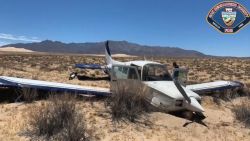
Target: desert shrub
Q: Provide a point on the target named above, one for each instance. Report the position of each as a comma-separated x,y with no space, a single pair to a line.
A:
93,75
128,101
1,72
228,95
245,91
242,113
97,72
29,94
57,119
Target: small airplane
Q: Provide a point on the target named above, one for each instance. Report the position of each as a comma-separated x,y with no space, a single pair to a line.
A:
162,90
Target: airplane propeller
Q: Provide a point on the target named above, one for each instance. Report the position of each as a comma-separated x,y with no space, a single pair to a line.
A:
184,94
191,104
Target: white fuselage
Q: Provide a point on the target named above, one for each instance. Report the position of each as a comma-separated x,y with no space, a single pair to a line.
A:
165,93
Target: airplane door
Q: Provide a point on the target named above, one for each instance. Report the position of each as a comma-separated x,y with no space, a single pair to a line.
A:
124,78
120,72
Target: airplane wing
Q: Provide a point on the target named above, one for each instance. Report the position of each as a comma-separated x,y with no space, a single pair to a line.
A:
13,82
214,86
89,66
4,85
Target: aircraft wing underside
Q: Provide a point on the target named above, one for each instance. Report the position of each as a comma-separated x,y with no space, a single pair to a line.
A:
214,86
89,66
13,82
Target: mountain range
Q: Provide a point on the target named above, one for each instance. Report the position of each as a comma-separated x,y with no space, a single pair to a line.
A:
116,47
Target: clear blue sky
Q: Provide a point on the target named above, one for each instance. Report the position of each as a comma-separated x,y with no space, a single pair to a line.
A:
176,23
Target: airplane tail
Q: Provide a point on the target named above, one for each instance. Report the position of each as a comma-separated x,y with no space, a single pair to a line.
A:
108,57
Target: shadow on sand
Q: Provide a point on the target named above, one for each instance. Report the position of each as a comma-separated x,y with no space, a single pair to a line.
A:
82,78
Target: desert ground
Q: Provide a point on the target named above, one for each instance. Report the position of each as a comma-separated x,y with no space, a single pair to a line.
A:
221,122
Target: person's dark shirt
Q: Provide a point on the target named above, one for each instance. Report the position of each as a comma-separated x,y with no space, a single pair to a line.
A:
176,71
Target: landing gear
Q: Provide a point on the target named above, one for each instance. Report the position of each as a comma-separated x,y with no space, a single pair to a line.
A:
193,116
72,75
199,116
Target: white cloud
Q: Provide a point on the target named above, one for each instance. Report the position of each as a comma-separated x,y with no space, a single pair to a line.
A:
3,43
18,38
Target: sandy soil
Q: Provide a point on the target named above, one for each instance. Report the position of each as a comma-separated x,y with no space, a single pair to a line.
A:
13,49
220,122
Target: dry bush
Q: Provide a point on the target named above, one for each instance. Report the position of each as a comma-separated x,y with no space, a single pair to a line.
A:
218,96
242,112
58,119
128,101
245,91
228,95
29,94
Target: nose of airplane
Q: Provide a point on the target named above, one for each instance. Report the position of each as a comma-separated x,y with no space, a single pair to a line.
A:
194,105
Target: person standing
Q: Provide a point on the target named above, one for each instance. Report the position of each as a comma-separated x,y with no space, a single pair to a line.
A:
175,71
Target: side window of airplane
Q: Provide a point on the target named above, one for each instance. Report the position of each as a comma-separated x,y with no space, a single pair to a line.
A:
133,74
119,72
124,72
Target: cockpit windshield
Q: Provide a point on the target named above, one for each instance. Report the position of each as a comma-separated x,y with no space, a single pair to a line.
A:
155,72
